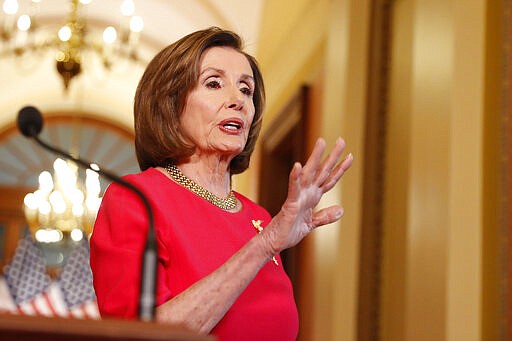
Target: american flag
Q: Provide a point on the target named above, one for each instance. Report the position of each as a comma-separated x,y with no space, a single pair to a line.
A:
26,288
75,282
28,282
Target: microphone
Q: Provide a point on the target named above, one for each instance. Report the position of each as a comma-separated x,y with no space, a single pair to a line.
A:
30,124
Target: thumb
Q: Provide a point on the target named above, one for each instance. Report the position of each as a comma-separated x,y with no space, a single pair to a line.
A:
327,215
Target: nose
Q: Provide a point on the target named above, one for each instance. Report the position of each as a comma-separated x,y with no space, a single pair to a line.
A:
235,99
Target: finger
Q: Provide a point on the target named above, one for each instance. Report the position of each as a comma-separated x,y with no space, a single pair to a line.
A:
294,181
311,166
332,159
327,215
337,173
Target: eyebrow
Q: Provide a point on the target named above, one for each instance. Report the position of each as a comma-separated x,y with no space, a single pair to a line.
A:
244,76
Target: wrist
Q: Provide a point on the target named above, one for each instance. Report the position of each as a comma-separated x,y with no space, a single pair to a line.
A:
264,246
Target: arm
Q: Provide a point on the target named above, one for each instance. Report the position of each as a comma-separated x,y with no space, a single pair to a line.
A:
203,305
117,244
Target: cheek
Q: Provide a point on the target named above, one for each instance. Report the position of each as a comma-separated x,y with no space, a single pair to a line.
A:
251,114
199,116
250,120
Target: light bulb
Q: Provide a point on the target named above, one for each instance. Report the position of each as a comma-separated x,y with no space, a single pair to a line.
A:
10,6
57,201
77,197
45,182
64,35
30,201
92,183
136,24
24,22
48,235
78,210
127,8
109,35
76,235
45,207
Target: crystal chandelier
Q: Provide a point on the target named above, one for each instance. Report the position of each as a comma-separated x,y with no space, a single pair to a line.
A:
21,32
63,206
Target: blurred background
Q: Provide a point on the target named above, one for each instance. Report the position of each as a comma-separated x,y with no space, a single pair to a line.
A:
419,89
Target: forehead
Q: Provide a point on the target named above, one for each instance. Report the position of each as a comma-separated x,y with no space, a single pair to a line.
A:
225,58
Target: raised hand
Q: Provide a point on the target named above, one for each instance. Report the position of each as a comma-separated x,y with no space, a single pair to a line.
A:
307,185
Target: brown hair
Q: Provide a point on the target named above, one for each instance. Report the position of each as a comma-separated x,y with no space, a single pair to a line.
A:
161,97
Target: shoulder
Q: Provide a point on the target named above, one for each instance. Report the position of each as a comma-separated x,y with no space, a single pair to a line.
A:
251,207
244,199
148,176
144,181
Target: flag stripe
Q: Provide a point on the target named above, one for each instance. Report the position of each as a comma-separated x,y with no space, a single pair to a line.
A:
91,309
49,303
26,308
77,313
55,296
6,302
41,305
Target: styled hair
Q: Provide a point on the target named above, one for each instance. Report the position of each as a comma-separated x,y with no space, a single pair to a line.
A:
161,98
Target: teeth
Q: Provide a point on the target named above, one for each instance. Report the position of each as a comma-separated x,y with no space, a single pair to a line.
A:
232,126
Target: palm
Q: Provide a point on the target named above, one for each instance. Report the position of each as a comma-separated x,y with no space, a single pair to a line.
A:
306,187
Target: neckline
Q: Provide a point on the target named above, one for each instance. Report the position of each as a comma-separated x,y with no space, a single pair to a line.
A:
163,172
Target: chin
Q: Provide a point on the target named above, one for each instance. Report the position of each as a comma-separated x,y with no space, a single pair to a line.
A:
233,150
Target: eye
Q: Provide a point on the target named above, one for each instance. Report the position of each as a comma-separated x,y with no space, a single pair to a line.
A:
213,84
246,90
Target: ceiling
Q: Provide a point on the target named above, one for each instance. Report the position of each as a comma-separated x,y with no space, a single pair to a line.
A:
107,95
22,160
34,79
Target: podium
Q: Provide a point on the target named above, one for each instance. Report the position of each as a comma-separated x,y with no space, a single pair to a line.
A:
32,328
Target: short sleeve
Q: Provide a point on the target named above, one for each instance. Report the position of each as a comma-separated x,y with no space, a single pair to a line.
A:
117,245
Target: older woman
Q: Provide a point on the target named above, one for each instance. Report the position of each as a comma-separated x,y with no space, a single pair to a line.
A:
198,112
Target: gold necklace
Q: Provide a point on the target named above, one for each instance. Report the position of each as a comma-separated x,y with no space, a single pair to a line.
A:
227,204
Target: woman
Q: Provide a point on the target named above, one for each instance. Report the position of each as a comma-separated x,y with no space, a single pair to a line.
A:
198,111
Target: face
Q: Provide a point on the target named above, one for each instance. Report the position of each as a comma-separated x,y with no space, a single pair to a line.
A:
219,110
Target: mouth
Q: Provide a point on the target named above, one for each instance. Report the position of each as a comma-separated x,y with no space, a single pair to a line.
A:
232,125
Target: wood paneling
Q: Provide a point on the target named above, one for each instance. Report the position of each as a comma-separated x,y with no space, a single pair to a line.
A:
374,165
12,220
284,143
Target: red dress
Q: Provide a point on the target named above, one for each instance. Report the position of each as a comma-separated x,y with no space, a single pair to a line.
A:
194,238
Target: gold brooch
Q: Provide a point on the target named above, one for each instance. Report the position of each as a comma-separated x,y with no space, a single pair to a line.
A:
257,226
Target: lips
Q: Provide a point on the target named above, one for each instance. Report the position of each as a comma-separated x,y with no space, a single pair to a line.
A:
232,125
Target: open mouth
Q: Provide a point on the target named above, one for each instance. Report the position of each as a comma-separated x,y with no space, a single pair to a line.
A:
232,125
